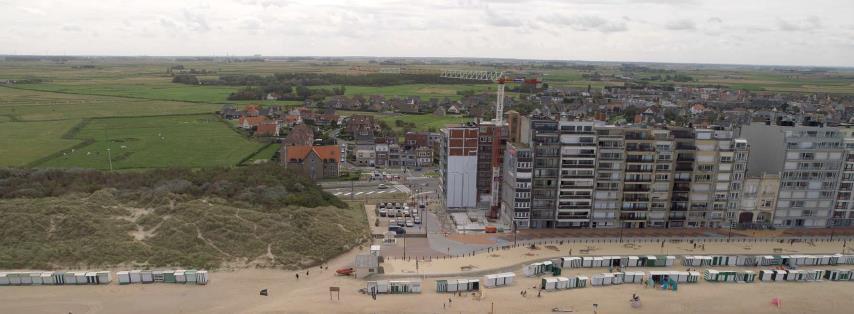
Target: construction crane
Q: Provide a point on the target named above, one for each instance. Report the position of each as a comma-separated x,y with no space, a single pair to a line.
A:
500,78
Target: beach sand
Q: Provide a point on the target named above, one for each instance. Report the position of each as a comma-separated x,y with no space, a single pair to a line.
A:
238,292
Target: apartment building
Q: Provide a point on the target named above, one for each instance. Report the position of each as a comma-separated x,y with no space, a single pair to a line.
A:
610,158
810,160
458,165
683,139
545,144
843,209
647,178
577,173
719,169
516,186
758,200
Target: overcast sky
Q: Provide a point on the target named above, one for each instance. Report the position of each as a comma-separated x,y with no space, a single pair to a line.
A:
788,32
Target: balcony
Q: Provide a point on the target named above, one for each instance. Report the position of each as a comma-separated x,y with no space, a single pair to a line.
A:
647,180
640,160
636,189
564,216
635,199
632,217
638,169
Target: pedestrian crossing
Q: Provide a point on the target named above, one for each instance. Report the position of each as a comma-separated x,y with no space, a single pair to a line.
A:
402,188
359,193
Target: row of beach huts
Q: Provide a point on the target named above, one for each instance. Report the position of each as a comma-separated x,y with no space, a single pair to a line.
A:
554,266
103,277
667,278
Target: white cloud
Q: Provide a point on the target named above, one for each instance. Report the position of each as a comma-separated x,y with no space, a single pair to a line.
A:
723,31
587,23
681,25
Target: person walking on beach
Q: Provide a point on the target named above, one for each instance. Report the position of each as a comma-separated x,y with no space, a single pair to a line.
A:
297,276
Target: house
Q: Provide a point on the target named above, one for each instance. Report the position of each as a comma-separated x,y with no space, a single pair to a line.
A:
361,125
697,109
440,111
315,162
453,109
300,135
268,128
228,112
423,156
366,154
250,122
252,111
291,120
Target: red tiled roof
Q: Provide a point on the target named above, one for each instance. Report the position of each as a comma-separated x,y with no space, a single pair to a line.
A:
268,128
253,121
331,152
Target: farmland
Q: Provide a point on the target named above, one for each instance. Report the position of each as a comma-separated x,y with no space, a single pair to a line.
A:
154,142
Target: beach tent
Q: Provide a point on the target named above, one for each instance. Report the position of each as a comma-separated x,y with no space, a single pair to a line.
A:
532,270
123,277
747,260
618,278
597,280
404,286
766,275
710,275
794,275
80,278
651,261
191,276
47,278
770,261
843,274
814,275
135,276
586,262
379,286
25,278
497,280
583,281
547,266
180,276
693,277
780,275
833,274
58,278
572,282
202,277
4,279
562,282
445,285
634,261
607,279
146,276
668,260
679,276
597,261
570,262
747,276
548,284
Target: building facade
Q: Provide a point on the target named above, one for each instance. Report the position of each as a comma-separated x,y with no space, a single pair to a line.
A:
458,166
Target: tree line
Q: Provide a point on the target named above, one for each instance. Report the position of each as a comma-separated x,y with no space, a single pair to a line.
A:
314,79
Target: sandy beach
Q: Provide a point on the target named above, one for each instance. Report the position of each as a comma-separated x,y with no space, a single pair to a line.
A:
238,292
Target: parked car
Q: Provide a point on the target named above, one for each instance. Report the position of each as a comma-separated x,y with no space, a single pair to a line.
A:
397,230
410,223
382,186
417,219
382,212
405,213
401,222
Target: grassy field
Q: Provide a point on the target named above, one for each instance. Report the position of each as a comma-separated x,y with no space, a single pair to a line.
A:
154,142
